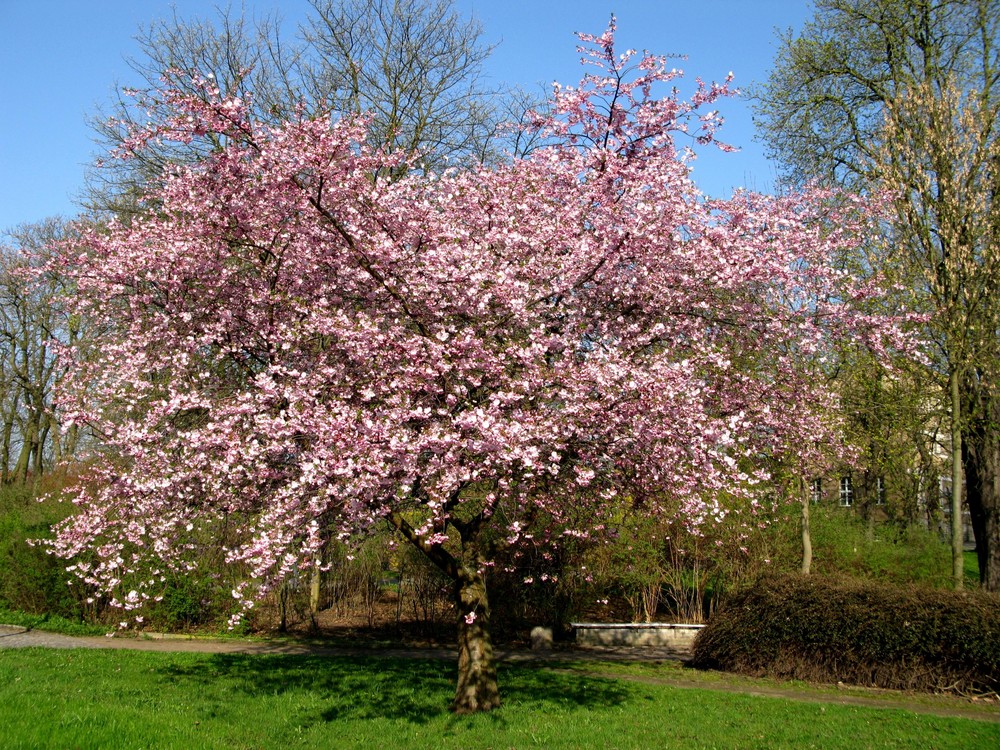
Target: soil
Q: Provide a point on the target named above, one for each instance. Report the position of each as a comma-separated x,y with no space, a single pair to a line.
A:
383,621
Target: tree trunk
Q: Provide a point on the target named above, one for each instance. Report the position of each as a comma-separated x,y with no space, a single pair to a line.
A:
477,674
70,440
41,437
315,581
807,549
477,688
23,464
981,456
957,550
57,455
283,608
8,432
315,589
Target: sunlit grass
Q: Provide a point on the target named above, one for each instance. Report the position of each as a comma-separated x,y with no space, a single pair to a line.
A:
118,699
49,623
971,565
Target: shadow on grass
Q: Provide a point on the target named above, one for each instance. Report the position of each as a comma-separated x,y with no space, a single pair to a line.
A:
413,690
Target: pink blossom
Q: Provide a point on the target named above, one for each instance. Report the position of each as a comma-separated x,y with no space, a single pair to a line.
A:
292,351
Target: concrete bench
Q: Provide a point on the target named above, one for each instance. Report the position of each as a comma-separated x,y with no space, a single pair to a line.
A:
674,635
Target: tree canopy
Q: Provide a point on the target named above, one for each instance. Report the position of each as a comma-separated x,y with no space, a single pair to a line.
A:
294,347
413,67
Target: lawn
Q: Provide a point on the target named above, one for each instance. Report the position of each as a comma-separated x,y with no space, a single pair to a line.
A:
126,699
971,560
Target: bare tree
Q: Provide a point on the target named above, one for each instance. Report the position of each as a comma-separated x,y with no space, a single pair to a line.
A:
413,66
30,431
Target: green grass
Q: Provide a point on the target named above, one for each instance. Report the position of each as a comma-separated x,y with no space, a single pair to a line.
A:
971,561
676,673
124,699
50,623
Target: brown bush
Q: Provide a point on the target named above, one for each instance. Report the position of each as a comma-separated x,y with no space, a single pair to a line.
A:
859,632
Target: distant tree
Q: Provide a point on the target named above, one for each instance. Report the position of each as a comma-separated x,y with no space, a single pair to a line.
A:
901,95
943,162
412,67
293,347
30,435
896,427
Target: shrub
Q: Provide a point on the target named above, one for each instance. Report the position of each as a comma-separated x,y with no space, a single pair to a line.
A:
665,568
31,580
189,602
844,543
860,632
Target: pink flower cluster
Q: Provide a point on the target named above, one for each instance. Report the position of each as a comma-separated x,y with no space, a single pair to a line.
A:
294,346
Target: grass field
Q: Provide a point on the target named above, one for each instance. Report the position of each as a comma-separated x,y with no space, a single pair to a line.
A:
971,568
125,699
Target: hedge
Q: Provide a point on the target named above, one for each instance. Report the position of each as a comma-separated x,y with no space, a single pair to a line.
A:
859,632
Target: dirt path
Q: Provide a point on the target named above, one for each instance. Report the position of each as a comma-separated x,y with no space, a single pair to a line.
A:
18,637
946,706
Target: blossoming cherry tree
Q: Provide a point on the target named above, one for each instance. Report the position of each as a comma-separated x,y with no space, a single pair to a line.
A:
295,347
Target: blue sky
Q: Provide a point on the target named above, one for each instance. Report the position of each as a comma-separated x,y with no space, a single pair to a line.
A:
60,60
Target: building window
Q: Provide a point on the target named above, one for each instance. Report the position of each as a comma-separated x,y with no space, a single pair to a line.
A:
816,490
880,491
846,492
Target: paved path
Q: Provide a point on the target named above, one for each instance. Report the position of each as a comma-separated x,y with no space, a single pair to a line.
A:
17,637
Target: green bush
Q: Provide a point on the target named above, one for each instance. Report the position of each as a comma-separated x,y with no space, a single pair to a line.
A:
844,543
860,632
31,580
36,583
189,601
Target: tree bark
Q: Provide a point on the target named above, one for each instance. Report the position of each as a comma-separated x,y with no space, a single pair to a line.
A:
981,457
315,590
5,443
41,437
957,551
315,581
23,464
57,443
477,688
477,674
807,550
